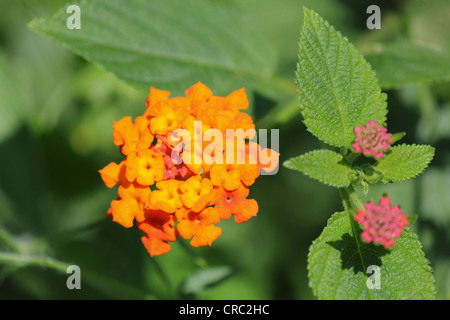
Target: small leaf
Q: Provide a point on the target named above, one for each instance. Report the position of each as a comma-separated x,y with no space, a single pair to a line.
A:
365,186
405,162
412,219
197,283
372,174
402,64
337,88
338,265
397,137
324,165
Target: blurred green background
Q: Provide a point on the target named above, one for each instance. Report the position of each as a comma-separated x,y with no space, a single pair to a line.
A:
56,113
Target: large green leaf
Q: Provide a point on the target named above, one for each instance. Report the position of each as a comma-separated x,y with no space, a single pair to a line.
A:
338,264
405,162
324,165
165,44
337,88
403,64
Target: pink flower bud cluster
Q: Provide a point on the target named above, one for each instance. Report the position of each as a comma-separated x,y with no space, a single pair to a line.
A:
381,223
372,140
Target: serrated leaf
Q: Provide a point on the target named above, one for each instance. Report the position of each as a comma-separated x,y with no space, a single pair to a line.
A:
338,265
337,88
204,279
165,44
397,137
324,165
402,64
405,162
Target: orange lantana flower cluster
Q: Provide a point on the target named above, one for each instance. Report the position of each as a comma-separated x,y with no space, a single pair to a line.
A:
187,197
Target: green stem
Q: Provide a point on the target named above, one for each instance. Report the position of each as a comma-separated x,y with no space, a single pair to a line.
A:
8,240
109,286
162,274
22,260
199,261
352,157
351,201
351,198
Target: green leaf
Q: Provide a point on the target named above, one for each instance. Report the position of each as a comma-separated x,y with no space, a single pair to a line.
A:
204,279
165,44
337,88
371,174
402,64
338,265
324,165
397,137
405,162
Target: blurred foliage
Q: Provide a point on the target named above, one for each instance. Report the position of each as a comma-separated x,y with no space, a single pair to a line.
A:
56,112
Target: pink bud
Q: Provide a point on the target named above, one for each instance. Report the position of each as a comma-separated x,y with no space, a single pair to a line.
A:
381,223
371,140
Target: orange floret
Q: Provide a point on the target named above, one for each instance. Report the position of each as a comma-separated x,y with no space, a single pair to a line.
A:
234,203
113,173
145,166
156,96
136,191
196,193
145,137
159,228
124,133
237,100
131,137
231,176
200,226
167,196
198,93
167,115
124,211
226,175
